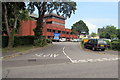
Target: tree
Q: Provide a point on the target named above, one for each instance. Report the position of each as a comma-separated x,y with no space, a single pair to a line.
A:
101,32
118,33
108,32
60,8
111,30
13,13
80,27
93,34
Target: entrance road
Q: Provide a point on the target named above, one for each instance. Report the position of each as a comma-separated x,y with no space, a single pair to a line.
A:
62,60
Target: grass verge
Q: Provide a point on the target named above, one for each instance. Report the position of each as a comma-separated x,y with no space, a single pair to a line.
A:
18,48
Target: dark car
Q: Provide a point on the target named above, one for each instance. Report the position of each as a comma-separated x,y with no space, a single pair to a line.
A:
96,44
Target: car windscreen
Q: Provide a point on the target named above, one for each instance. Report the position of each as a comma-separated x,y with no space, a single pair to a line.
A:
101,42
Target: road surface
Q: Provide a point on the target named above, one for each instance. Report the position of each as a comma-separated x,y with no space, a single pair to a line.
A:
62,60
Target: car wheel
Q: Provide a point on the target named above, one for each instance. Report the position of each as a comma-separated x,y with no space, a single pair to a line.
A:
93,48
102,49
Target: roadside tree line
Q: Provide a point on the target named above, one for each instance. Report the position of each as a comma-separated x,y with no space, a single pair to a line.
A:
109,32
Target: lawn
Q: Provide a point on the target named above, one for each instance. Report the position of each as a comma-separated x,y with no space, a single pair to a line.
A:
18,48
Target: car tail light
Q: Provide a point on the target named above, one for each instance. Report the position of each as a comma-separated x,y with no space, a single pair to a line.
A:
97,45
106,46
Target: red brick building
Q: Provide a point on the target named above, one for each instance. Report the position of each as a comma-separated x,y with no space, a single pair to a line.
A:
52,24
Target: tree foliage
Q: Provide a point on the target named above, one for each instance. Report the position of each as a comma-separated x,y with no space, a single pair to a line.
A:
13,13
118,33
64,9
93,34
108,32
61,8
80,27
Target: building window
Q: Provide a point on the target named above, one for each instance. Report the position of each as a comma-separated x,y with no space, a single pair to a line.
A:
49,37
58,23
59,31
53,31
48,30
63,32
67,33
71,33
49,22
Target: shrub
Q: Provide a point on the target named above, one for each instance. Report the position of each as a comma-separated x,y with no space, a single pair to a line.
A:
108,43
82,44
49,40
18,40
23,40
115,45
4,41
40,42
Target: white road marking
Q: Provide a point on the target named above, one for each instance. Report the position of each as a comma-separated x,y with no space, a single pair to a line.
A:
51,55
96,60
89,60
82,61
39,55
55,55
48,55
68,56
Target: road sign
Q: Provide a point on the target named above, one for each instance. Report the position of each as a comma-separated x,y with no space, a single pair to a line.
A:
56,36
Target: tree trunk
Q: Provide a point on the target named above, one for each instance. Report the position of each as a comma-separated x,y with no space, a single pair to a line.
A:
38,29
7,27
13,30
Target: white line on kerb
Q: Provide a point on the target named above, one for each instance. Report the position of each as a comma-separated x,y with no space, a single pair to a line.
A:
68,56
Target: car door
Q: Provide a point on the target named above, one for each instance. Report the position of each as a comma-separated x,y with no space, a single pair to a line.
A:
89,43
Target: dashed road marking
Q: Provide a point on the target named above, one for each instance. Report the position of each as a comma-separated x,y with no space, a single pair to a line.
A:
47,55
95,60
55,55
89,60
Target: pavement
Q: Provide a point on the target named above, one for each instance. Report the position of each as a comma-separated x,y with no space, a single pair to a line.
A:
7,55
62,60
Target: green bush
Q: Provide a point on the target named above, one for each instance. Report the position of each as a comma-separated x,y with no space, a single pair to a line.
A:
40,42
4,41
82,44
108,43
23,40
115,45
49,40
18,40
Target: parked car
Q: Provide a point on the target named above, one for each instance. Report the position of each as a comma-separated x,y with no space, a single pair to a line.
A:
75,40
62,39
106,39
96,44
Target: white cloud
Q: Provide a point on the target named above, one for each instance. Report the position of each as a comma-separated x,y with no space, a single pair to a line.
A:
91,27
101,22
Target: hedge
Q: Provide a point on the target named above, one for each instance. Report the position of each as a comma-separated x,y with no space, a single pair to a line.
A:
18,40
25,40
115,45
